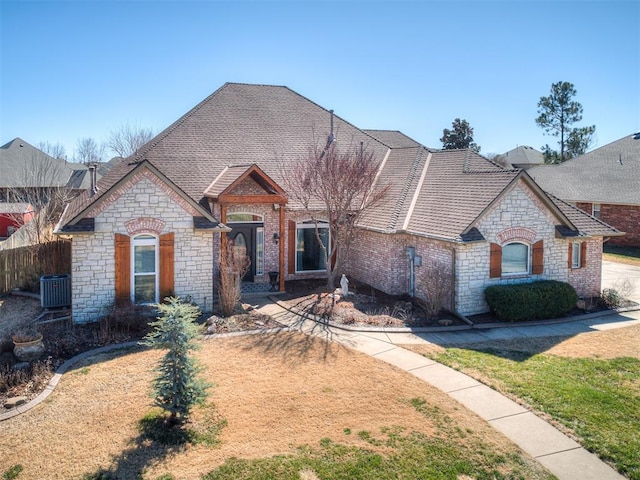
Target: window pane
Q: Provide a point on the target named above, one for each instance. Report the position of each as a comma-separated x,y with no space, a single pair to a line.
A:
515,258
145,288
309,254
575,254
259,251
145,259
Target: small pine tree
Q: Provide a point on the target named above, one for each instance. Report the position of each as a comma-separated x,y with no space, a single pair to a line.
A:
176,387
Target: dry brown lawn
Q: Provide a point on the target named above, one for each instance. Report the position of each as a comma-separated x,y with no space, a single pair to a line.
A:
275,391
605,344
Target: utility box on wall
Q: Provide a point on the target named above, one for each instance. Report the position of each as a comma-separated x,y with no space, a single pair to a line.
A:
55,291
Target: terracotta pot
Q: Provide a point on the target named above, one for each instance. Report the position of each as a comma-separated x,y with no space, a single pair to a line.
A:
29,351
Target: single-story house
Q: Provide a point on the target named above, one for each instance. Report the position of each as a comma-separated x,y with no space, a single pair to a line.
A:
453,222
604,183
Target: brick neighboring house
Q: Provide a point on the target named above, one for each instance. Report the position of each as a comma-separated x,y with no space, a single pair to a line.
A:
453,222
604,183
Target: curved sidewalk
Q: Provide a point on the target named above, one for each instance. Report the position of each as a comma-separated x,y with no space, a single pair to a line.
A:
561,455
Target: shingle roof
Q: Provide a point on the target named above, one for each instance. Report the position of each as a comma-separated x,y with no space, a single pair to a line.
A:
438,193
393,138
523,156
23,165
609,174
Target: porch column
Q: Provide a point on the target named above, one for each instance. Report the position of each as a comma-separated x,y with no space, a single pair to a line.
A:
282,242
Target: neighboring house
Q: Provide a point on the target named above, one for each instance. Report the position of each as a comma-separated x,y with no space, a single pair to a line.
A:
12,217
453,223
28,176
522,157
604,183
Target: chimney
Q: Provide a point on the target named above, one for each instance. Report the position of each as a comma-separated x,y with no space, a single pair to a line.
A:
93,170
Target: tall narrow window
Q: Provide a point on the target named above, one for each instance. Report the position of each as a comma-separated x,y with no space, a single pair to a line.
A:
595,210
259,250
515,258
309,253
575,255
144,268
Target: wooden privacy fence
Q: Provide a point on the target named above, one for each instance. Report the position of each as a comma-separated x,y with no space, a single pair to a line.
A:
22,267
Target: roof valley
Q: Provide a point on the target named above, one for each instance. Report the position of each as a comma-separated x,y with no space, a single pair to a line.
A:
415,166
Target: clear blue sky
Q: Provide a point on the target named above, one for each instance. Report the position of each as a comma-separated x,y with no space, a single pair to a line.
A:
80,69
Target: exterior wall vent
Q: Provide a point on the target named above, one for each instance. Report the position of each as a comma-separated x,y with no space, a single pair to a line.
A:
55,291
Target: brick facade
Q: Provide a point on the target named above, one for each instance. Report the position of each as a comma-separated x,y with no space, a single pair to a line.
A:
381,261
625,218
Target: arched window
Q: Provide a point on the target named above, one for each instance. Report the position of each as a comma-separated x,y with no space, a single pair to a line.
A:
515,258
144,269
309,253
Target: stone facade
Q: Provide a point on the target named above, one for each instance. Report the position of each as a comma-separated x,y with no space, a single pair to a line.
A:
144,206
381,261
625,218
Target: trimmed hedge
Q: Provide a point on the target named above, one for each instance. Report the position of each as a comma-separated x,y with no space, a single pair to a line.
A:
531,301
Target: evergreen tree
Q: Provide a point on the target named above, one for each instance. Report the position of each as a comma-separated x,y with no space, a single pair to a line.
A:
460,137
176,387
556,113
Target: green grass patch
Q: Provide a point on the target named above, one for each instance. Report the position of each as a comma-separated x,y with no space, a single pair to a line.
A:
12,473
624,254
598,399
407,455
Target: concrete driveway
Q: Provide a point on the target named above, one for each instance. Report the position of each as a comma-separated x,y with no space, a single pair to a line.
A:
614,273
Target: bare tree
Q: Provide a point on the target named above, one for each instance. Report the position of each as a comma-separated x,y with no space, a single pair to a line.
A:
53,150
234,264
127,139
41,184
338,187
89,151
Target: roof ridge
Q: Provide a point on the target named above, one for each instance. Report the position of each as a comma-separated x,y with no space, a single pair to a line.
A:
405,189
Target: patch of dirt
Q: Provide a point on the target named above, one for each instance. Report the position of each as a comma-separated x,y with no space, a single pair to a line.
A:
364,306
276,392
16,312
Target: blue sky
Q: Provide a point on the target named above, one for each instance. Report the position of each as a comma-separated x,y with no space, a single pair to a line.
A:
80,69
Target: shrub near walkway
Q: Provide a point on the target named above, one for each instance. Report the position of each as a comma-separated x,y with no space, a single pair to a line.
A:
596,398
293,406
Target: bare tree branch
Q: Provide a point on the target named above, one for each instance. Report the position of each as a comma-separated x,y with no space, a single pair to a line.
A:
127,139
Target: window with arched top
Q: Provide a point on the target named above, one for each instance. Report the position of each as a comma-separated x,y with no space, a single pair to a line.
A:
144,269
515,258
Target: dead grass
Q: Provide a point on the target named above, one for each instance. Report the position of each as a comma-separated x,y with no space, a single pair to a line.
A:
17,312
276,392
605,344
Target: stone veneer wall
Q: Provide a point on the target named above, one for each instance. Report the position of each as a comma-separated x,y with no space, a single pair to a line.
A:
520,210
93,261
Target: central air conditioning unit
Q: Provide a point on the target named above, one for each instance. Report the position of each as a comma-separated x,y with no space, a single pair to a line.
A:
55,291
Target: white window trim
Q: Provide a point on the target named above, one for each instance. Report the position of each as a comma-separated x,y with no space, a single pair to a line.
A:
596,210
524,272
136,242
576,255
310,224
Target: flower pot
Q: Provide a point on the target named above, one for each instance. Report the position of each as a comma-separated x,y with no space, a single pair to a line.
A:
27,351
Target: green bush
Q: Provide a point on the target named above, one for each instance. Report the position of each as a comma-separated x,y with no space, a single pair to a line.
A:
531,301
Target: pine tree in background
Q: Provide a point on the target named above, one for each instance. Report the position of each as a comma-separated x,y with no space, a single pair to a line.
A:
176,387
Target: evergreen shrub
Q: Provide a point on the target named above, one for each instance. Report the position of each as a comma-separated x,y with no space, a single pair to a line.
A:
531,301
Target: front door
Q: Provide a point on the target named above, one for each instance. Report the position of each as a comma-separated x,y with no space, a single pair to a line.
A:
243,236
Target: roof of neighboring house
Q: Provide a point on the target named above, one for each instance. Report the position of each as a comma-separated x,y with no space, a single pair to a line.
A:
23,165
242,127
9,207
523,157
609,174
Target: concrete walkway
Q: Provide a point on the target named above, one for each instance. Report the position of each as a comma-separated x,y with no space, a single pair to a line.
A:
561,455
